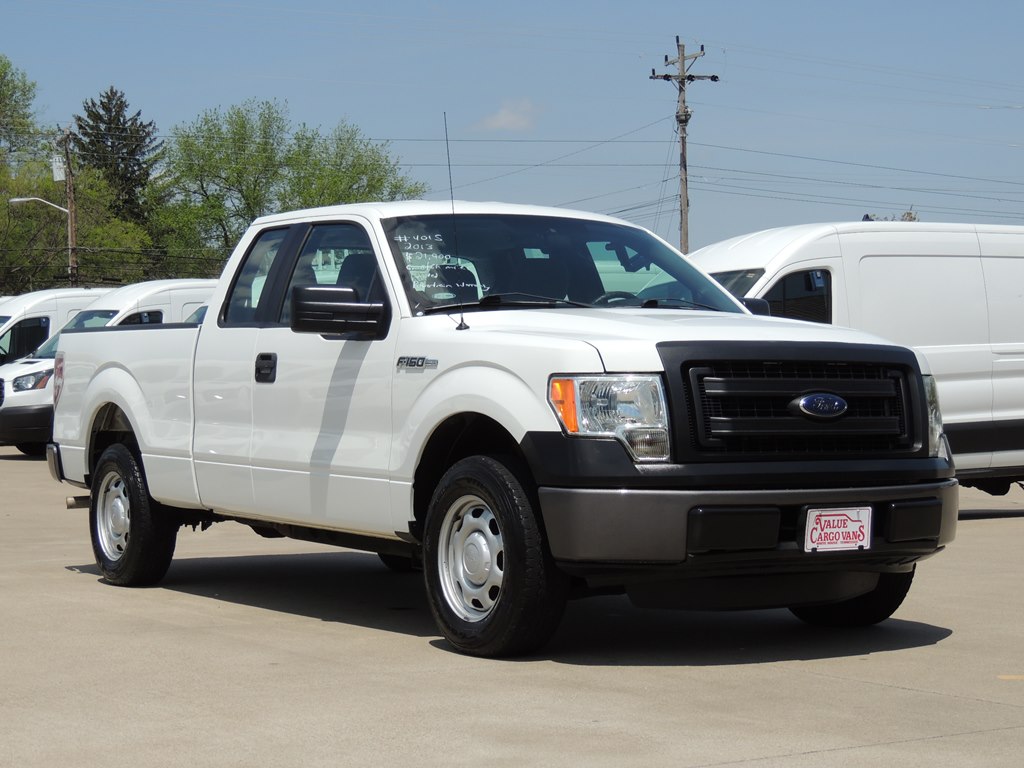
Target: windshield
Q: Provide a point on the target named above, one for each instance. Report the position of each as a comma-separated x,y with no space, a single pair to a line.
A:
4,319
89,318
454,260
739,281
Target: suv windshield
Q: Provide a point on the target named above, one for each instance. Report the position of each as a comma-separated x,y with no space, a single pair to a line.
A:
453,260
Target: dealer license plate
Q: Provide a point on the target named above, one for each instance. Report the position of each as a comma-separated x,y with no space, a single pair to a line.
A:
838,529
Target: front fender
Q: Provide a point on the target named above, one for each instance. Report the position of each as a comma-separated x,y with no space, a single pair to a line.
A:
495,392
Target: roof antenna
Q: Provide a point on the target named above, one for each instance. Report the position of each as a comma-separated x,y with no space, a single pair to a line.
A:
455,227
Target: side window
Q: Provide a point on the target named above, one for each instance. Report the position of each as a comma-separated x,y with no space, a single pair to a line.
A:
144,318
803,295
245,293
23,337
336,254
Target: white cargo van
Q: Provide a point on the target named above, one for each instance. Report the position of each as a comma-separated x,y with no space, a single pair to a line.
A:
26,386
953,291
27,320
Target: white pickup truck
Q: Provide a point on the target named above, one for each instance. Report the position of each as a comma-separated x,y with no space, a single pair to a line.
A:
529,404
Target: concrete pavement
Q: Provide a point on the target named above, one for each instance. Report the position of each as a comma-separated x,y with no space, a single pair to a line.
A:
260,652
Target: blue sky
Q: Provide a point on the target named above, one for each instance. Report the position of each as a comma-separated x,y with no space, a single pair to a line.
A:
824,111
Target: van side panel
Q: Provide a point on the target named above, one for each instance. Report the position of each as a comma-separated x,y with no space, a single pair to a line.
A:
927,290
1003,261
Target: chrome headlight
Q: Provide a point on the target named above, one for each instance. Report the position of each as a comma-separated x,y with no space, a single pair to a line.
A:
37,380
937,445
629,408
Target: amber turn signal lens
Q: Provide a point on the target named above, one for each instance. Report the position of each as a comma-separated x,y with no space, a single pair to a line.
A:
563,398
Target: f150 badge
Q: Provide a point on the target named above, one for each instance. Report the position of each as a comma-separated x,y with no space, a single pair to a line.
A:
416,363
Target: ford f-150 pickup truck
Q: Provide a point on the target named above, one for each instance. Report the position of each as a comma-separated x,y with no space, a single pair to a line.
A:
528,403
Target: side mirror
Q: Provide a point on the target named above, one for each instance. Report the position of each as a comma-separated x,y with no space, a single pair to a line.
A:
757,306
332,311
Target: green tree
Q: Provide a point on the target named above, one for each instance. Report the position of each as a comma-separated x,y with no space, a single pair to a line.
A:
17,120
342,166
229,167
33,236
122,147
111,250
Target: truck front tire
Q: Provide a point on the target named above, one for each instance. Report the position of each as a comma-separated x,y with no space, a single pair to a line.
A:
492,585
861,611
132,545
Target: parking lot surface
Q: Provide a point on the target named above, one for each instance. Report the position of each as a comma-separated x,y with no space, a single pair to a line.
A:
260,652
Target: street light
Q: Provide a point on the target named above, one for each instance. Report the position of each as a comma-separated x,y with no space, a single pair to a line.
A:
72,261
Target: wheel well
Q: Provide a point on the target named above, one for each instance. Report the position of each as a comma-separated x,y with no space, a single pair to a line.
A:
459,436
111,426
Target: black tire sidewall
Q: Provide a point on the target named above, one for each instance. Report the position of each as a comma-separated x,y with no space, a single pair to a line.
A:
150,545
531,598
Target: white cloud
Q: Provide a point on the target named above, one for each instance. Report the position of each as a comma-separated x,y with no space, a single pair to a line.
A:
516,116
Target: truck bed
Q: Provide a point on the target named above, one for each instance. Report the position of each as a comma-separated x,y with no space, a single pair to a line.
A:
146,371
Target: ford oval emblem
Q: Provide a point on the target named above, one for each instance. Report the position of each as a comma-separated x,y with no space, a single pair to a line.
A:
821,405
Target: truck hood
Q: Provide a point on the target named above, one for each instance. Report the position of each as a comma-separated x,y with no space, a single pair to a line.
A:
626,338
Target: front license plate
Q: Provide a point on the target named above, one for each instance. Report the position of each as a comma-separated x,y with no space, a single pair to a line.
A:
838,529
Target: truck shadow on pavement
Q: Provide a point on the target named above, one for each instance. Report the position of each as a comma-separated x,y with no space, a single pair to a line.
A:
21,457
356,589
611,631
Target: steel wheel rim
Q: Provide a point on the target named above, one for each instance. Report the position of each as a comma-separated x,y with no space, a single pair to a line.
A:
113,516
471,559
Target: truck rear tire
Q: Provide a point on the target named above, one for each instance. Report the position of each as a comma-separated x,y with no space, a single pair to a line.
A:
861,611
492,585
132,545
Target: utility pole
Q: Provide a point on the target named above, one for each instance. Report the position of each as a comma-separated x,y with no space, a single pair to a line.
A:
69,186
683,114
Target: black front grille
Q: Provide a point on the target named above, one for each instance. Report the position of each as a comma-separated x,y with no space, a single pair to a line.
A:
749,407
729,405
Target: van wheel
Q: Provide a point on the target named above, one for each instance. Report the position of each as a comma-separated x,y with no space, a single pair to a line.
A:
493,587
32,449
133,543
861,611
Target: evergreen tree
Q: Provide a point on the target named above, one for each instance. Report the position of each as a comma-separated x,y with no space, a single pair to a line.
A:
122,147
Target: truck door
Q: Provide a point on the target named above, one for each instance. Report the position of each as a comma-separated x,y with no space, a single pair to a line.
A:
322,406
225,376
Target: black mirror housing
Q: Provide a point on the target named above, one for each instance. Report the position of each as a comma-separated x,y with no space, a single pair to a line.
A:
757,306
333,311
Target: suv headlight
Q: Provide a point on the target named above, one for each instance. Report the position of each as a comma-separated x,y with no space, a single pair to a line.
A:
937,445
629,408
36,380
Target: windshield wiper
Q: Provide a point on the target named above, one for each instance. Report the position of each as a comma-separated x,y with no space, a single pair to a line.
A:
515,299
677,304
